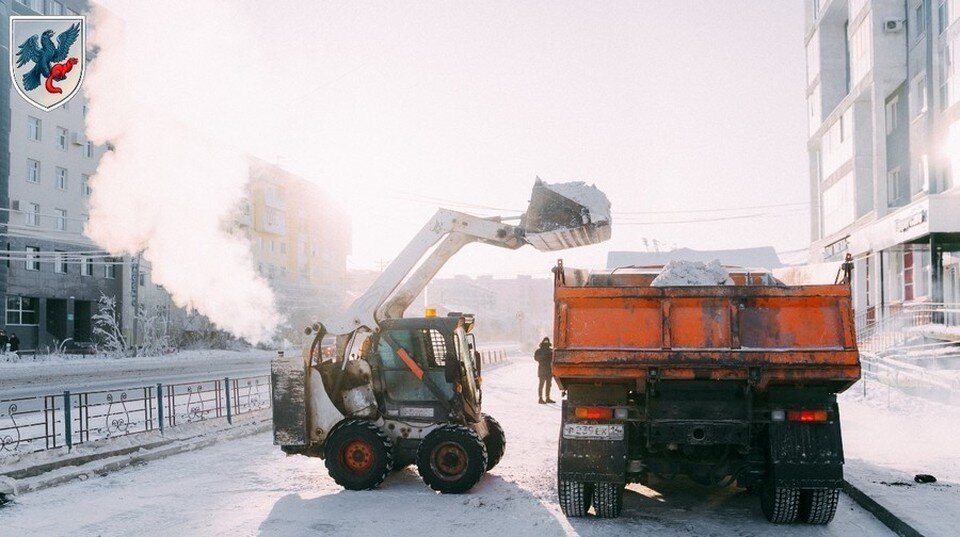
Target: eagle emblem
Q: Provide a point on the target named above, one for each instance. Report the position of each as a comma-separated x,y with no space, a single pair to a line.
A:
48,63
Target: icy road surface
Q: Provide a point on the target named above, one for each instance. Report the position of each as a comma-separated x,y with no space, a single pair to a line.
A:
248,487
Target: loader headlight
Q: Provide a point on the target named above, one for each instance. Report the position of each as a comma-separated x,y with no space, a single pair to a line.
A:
621,413
778,415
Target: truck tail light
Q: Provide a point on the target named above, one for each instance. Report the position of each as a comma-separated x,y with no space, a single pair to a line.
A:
807,415
593,413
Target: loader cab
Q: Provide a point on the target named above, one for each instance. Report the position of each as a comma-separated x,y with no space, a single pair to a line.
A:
423,369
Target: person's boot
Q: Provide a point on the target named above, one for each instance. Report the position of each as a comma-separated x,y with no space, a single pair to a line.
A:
541,401
549,400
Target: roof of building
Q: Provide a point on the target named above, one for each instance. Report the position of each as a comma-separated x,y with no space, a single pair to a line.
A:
760,257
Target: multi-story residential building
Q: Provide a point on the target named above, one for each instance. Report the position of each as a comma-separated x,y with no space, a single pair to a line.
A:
300,240
53,275
882,92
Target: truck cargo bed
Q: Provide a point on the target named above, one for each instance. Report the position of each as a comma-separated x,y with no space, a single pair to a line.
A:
612,327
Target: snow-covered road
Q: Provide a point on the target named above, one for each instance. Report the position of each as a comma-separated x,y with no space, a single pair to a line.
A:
247,487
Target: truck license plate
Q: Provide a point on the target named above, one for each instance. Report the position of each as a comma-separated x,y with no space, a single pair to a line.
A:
587,431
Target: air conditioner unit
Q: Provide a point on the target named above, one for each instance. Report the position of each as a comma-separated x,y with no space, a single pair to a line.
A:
77,139
893,25
14,205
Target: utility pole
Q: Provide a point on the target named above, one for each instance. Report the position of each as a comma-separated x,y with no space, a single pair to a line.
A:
135,292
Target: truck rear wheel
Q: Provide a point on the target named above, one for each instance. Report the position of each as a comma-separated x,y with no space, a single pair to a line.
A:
780,504
575,497
818,506
496,441
608,499
451,459
358,455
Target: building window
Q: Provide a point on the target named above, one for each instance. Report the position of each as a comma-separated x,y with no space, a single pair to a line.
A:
943,15
61,219
843,128
21,310
918,100
60,262
33,214
33,171
85,185
33,258
62,135
143,279
283,247
893,109
33,128
88,149
110,268
921,179
919,21
86,266
61,178
895,190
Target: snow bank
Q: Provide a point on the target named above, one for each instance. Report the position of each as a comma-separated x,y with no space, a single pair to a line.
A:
679,273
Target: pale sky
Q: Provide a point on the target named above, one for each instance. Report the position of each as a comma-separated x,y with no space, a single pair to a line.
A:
666,106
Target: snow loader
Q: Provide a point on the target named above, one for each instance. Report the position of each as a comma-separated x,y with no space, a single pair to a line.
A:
400,391
719,383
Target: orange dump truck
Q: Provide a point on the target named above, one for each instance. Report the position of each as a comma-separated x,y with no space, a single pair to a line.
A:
718,383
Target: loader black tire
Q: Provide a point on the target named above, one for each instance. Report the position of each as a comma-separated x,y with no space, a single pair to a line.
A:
496,441
818,506
358,455
451,459
575,497
780,505
608,499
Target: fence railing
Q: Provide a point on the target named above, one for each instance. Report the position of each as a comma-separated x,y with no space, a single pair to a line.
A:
908,378
879,329
29,424
493,357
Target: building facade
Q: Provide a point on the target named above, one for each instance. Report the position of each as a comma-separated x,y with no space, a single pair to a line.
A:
300,239
52,275
884,145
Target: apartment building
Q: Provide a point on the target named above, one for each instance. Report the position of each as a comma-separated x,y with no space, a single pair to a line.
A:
300,239
52,275
884,140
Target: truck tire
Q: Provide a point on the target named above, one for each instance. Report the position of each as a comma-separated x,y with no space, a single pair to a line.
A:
496,441
575,497
818,506
451,459
358,455
780,504
608,499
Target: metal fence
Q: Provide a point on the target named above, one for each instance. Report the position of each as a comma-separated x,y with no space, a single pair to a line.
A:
30,424
879,329
493,357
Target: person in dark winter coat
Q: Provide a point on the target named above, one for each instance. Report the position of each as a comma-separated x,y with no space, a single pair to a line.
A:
3,341
14,343
544,357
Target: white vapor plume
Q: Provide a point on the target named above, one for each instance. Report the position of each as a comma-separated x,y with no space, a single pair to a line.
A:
169,186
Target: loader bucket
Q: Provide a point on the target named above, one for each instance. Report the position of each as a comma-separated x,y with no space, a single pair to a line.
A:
566,215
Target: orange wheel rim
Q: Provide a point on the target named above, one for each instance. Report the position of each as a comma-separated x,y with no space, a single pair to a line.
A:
449,460
357,456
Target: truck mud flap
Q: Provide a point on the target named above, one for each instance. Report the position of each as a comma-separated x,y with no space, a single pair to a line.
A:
592,461
806,455
287,378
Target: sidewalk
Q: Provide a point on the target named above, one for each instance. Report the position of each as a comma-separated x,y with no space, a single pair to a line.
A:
889,437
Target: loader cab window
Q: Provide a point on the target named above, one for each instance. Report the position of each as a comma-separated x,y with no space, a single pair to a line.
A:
427,347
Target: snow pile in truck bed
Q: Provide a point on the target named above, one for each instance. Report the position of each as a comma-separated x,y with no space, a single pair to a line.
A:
678,273
587,195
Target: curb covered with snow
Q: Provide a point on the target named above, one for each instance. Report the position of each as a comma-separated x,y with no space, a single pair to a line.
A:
36,473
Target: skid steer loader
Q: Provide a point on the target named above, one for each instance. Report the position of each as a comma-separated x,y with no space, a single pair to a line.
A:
401,391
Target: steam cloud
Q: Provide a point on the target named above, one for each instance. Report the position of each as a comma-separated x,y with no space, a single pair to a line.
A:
155,91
